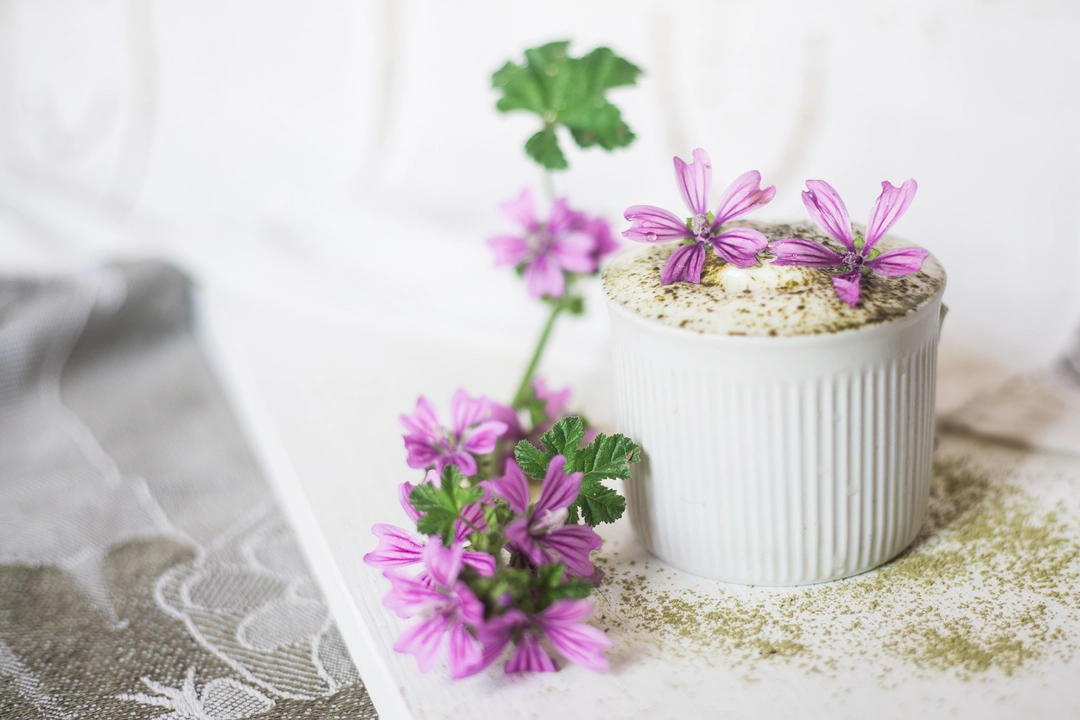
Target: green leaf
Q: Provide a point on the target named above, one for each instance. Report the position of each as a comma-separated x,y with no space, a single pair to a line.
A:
543,147
531,460
440,507
564,438
551,586
599,503
567,91
609,457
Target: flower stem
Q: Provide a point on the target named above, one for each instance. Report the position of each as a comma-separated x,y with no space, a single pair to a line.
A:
522,393
549,186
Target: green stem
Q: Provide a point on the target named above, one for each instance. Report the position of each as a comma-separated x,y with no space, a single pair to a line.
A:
549,186
522,393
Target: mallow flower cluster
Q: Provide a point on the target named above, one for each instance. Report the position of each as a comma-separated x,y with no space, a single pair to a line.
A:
486,573
854,259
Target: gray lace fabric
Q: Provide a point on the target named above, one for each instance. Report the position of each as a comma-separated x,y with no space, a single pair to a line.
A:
145,569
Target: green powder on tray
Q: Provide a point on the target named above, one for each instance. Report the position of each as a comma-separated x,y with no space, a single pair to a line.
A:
987,585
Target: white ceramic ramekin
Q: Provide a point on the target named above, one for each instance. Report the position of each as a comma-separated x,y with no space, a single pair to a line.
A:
778,460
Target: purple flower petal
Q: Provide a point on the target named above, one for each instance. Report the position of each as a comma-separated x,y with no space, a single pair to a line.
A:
513,486
890,205
575,251
465,411
519,535
577,642
509,417
555,401
847,286
423,421
465,462
397,547
521,211
828,211
409,596
742,196
901,261
465,653
561,218
694,180
653,224
443,563
573,543
684,265
529,657
807,253
543,277
424,641
481,562
404,492
421,452
740,246
497,633
604,242
509,250
482,438
559,490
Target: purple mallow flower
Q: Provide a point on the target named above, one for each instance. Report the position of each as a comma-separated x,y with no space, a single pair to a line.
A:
562,623
738,246
446,606
568,241
859,256
540,533
470,432
402,548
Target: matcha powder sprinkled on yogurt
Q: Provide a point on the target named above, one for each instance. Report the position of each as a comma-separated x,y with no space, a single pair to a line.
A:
990,584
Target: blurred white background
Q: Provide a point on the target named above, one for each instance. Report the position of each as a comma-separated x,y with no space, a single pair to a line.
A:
344,159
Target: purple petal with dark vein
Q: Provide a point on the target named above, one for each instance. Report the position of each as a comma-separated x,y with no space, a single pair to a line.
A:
901,261
604,243
566,611
465,652
890,205
561,218
410,595
544,277
575,251
573,543
740,246
581,644
653,224
424,419
521,211
465,462
421,453
529,657
424,641
513,486
397,547
481,562
518,533
559,490
497,632
743,195
482,438
694,181
465,411
684,265
847,287
828,211
404,492
509,250
806,253
443,563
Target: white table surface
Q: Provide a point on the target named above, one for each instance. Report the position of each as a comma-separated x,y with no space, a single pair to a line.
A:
320,398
